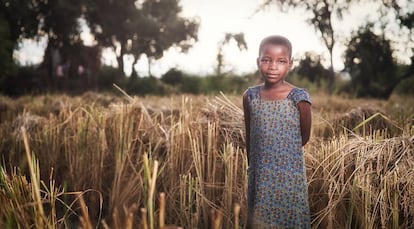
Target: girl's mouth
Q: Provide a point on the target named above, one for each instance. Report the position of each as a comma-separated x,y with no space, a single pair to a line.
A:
272,75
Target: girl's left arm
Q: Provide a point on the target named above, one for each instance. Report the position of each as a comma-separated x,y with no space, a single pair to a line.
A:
305,120
246,112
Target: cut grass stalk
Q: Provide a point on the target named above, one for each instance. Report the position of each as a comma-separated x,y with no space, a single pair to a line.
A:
162,210
236,212
216,218
35,181
151,179
144,222
85,219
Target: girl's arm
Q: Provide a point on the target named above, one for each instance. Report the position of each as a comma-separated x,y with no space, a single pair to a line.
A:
246,122
305,120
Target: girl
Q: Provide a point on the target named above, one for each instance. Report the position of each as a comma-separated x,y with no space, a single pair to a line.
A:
278,121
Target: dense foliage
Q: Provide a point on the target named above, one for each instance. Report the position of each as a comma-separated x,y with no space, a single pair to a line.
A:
149,27
369,61
129,27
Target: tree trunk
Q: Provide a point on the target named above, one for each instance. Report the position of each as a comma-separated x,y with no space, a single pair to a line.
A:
149,66
331,79
219,61
120,60
134,72
50,64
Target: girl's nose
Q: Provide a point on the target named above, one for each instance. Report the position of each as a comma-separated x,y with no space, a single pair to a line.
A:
273,65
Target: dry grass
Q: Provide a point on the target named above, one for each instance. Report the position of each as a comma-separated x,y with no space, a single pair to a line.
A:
362,182
115,156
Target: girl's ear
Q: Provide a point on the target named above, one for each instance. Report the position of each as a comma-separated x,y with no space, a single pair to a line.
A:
291,63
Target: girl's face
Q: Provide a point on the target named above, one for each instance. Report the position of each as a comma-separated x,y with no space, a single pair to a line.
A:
274,63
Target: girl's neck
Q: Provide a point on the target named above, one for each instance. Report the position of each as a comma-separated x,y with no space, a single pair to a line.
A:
277,86
275,91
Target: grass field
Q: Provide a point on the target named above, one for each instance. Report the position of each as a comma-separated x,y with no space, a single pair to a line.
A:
147,162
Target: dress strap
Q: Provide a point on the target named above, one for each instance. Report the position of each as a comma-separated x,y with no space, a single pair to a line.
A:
299,94
253,92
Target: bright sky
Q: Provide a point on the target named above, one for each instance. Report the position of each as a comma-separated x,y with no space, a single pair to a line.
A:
218,17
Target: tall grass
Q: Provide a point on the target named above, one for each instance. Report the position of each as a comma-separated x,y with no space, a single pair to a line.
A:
156,162
29,202
362,183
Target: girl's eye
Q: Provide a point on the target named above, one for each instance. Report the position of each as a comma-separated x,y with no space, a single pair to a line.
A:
266,61
269,61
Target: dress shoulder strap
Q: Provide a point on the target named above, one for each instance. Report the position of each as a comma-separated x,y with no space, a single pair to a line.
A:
253,92
299,94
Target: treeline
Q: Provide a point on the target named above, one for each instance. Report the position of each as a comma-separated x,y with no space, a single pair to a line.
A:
148,28
309,73
173,81
132,28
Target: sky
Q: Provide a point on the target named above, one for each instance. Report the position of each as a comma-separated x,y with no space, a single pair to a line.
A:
218,17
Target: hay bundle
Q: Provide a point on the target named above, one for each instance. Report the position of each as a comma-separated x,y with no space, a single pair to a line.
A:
366,183
32,123
229,118
8,110
361,121
5,104
99,99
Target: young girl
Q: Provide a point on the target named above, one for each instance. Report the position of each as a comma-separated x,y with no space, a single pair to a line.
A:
278,121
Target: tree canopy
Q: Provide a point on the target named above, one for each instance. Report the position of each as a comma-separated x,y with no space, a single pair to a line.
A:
137,28
241,44
130,27
140,27
311,68
369,61
17,21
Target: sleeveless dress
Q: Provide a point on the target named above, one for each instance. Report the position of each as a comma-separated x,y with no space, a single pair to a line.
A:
277,188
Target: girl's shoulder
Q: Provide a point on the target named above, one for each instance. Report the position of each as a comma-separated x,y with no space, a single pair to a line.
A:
253,91
299,94
255,87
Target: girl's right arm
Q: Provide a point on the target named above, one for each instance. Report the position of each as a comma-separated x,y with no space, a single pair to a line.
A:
305,120
246,112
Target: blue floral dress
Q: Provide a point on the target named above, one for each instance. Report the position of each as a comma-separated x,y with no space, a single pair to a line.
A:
277,187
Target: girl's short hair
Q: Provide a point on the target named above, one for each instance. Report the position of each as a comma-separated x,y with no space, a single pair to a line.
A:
276,40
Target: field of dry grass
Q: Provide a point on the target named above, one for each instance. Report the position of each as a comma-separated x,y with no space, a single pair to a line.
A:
148,162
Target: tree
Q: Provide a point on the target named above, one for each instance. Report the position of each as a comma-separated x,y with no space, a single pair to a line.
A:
21,18
241,44
17,21
57,20
322,13
6,48
405,20
310,67
397,19
140,27
369,61
173,77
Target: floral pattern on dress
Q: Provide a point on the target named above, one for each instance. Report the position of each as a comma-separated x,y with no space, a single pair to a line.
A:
277,186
